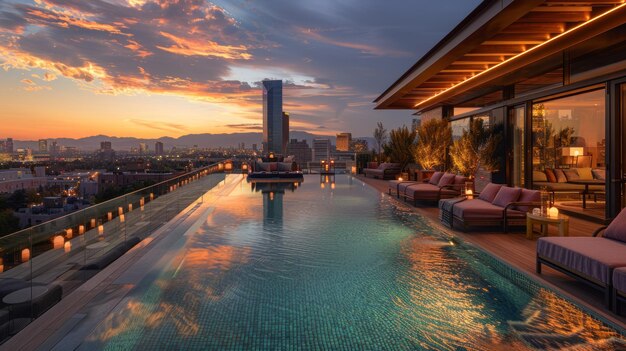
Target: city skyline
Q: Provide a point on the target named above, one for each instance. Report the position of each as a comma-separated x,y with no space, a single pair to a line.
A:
131,68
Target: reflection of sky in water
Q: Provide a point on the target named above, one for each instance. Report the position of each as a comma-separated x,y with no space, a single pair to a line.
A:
342,269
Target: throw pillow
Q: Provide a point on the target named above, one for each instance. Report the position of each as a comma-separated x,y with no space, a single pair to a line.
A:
434,179
528,195
584,173
489,192
599,174
560,176
617,229
446,179
506,195
571,174
551,176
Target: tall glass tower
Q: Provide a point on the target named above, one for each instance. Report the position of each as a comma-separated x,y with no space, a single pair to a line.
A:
273,116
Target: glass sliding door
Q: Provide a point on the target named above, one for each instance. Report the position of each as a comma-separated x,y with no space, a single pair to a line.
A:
569,151
515,145
616,150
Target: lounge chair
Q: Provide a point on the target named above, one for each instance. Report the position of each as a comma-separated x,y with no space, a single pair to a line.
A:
448,185
591,260
497,205
384,171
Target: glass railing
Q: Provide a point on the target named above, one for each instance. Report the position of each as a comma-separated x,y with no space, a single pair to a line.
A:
42,264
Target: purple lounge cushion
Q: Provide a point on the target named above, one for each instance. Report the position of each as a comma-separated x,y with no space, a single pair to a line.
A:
446,179
460,180
619,279
594,257
560,176
506,195
434,179
528,195
617,229
477,209
489,192
423,191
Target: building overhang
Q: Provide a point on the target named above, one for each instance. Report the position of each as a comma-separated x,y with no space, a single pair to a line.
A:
500,44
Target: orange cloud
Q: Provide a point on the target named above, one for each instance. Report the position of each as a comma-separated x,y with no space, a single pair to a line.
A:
203,47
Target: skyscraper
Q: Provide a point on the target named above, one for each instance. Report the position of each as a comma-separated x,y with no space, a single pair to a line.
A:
285,131
105,145
143,148
343,141
9,146
321,149
272,116
158,148
43,145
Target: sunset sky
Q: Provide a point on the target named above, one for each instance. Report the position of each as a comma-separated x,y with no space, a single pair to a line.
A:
76,68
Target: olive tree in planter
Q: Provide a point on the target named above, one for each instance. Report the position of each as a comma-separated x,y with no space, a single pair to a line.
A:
400,146
434,137
477,149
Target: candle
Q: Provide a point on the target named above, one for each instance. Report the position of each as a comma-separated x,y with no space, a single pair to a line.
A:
553,212
100,229
58,241
67,247
25,255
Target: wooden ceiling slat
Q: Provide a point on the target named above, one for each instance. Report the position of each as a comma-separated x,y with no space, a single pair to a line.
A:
542,28
558,17
580,8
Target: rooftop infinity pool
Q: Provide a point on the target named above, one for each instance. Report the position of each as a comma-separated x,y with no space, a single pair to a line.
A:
336,266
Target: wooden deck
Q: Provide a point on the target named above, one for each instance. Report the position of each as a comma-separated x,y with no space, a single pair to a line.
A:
518,251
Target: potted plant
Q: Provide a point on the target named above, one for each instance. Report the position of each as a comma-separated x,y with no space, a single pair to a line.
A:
477,149
434,137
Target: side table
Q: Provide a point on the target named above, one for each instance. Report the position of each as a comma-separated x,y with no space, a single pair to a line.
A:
562,222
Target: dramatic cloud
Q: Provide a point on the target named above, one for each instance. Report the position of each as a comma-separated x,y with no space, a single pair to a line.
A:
333,57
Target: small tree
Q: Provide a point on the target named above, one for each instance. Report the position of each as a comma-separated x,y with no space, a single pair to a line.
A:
380,135
401,145
434,137
477,148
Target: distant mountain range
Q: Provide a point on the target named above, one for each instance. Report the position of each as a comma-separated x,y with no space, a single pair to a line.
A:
205,140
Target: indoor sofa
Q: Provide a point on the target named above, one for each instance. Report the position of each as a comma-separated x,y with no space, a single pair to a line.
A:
588,259
558,180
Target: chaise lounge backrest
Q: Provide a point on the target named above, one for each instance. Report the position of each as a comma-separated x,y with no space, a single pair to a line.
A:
617,229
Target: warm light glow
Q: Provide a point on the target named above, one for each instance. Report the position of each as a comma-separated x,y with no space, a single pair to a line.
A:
122,218
141,202
69,233
332,185
81,229
322,185
553,212
109,216
1,265
100,229
353,169
25,255
58,241
244,166
400,179
120,211
520,55
93,223
67,247
151,196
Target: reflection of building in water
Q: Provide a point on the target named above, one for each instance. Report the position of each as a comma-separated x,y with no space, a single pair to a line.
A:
273,193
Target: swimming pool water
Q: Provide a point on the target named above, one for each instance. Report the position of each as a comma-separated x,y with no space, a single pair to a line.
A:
335,266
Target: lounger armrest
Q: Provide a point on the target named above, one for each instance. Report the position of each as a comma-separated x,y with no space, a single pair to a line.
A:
598,231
